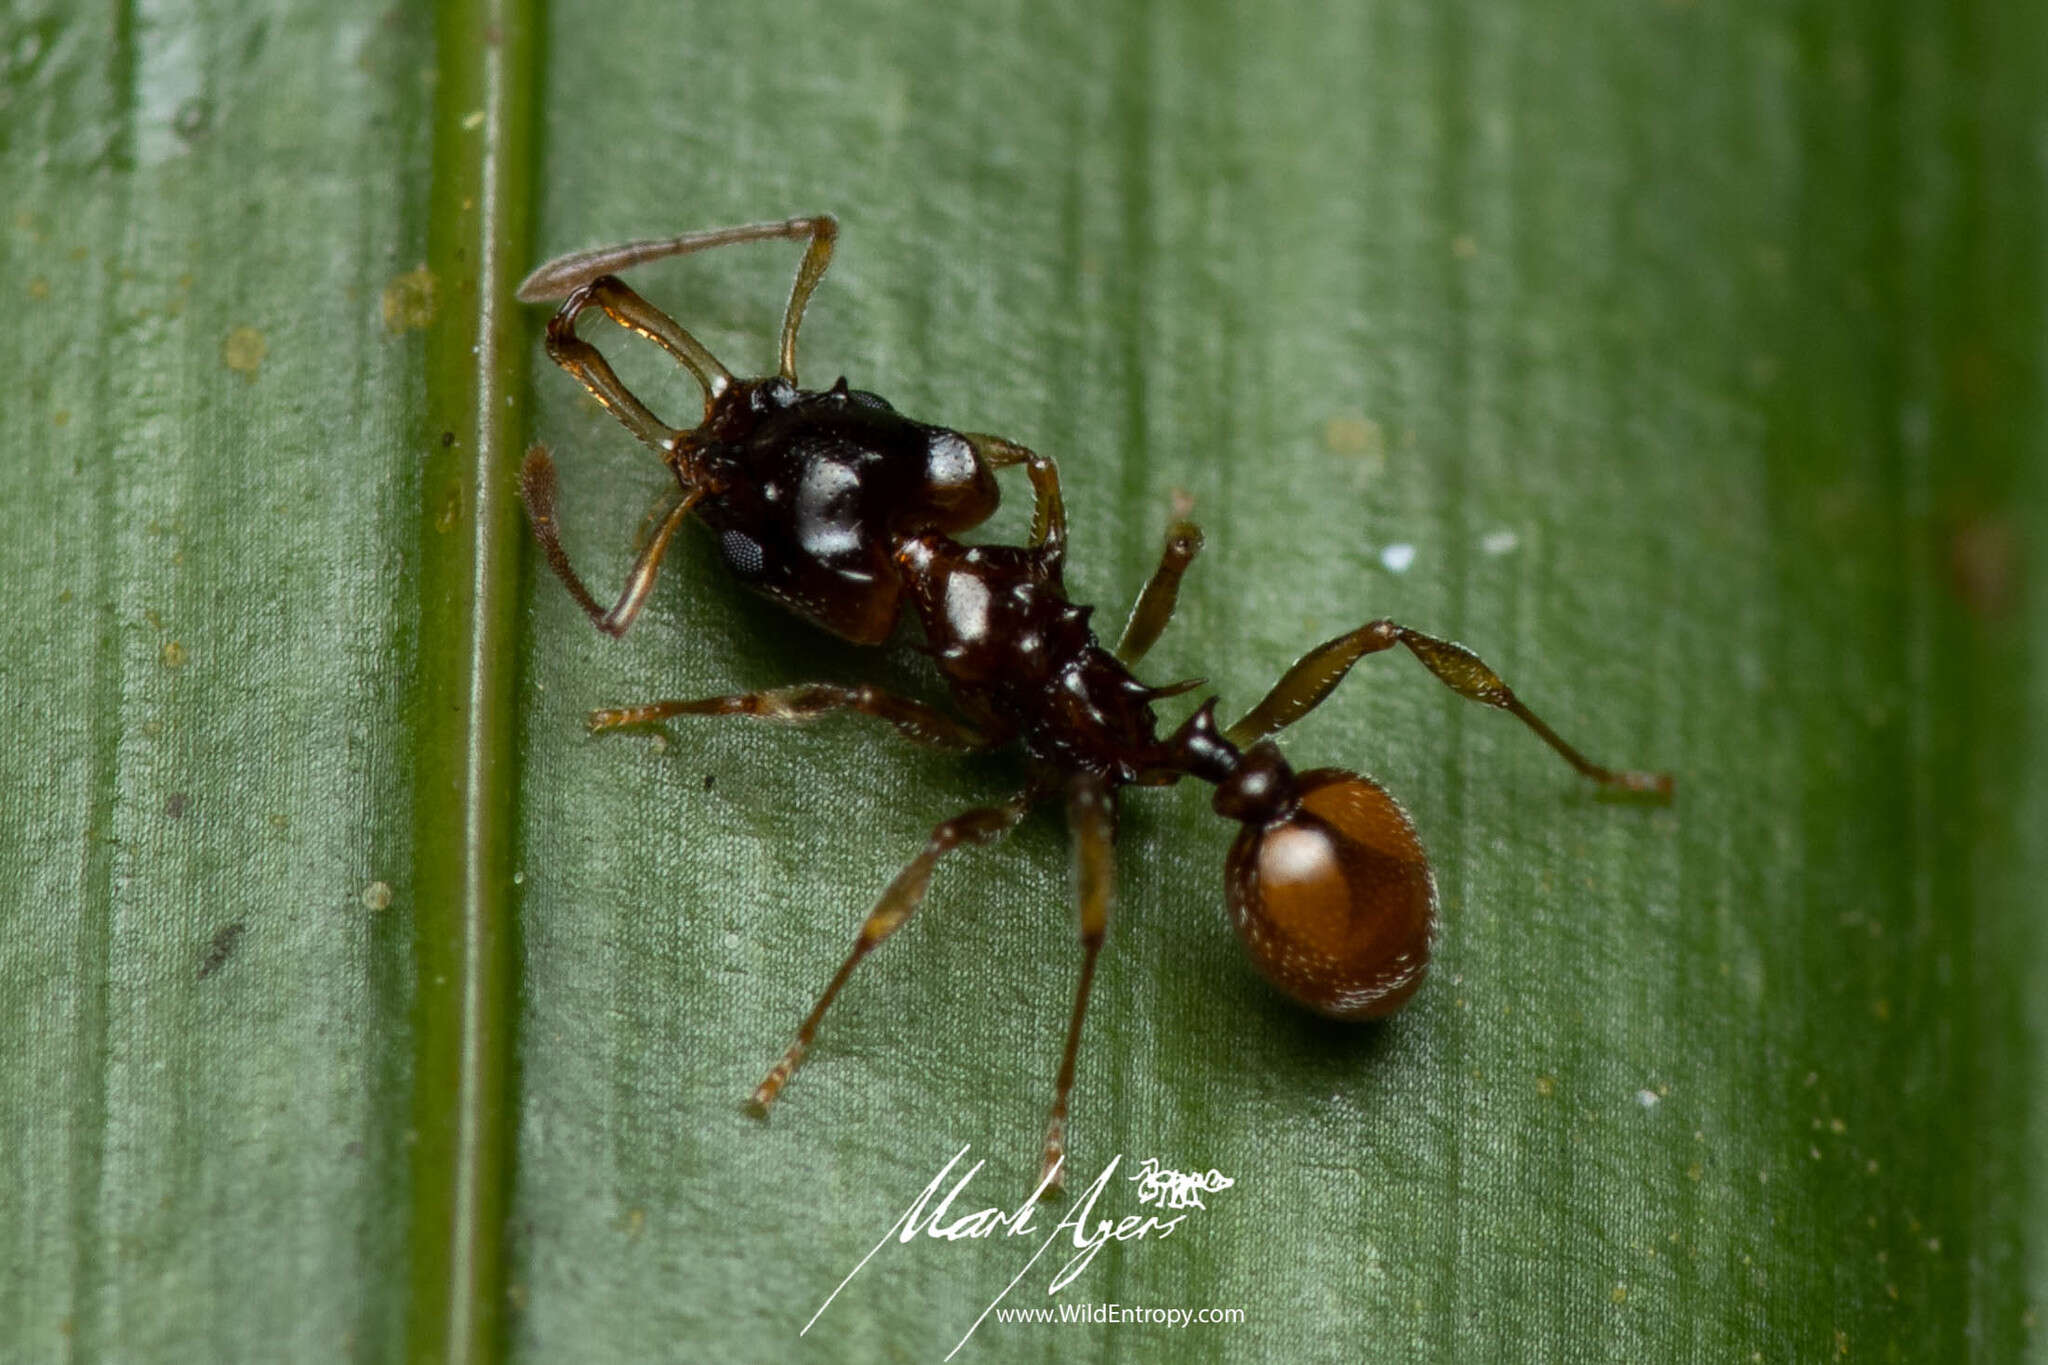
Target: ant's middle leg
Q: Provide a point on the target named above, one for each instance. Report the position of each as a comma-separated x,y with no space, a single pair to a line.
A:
904,895
1049,509
916,721
1155,604
537,491
1318,672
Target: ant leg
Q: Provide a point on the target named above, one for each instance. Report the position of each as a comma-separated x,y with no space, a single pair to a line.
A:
537,491
1091,816
1155,604
1319,671
905,893
635,314
590,369
824,230
566,273
916,721
1049,514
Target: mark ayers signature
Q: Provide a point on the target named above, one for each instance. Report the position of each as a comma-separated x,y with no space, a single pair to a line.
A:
1158,1186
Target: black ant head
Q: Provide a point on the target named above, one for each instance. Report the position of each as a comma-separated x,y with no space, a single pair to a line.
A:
1327,885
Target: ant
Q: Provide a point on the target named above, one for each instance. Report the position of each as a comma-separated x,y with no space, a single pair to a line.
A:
843,510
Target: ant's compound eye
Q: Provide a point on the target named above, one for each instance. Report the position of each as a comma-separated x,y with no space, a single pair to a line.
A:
743,553
869,400
1334,900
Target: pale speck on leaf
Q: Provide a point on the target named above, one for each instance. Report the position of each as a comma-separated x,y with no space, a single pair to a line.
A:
409,300
243,351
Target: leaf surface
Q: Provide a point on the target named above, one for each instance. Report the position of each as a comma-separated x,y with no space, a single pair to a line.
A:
1683,361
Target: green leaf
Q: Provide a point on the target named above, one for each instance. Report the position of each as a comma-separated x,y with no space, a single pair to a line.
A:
1684,361
465,771
209,543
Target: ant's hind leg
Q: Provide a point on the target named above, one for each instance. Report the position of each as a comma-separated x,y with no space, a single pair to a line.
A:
916,721
1318,672
1091,817
905,893
537,491
1155,604
567,273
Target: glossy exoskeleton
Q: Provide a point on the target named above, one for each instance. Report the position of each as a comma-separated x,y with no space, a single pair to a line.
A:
846,512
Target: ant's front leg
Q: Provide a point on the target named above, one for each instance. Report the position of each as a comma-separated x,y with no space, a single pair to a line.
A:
1049,511
537,491
583,360
916,721
625,307
578,269
587,365
1318,672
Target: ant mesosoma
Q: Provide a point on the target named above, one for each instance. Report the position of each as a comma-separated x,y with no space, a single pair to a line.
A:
843,510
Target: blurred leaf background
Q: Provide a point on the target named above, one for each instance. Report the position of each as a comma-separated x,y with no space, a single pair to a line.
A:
1685,359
